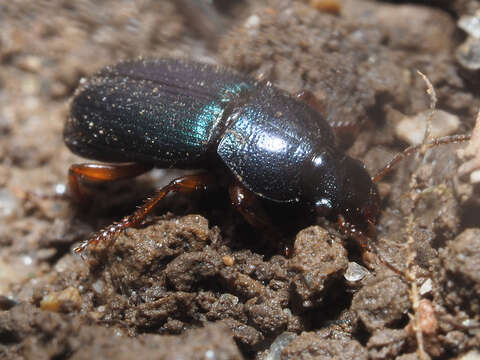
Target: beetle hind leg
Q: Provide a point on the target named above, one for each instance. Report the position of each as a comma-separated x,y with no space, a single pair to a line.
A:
184,184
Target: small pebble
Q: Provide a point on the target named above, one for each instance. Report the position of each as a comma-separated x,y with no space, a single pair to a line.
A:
470,24
60,189
30,63
468,54
426,287
228,260
8,203
475,177
98,286
472,355
355,272
412,128
282,340
252,22
55,300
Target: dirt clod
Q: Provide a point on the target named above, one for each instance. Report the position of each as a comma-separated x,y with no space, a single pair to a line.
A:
309,346
382,302
386,343
318,261
30,332
461,261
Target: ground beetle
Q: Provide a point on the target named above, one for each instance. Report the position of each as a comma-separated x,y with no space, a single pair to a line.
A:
170,113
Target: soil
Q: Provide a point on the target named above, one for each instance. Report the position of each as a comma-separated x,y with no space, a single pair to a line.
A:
194,282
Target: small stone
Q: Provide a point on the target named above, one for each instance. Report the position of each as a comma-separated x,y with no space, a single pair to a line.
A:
30,63
470,24
471,355
475,177
280,342
56,301
468,54
426,287
412,128
228,260
355,272
252,22
8,203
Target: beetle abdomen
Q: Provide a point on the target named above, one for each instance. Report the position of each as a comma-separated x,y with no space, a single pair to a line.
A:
166,112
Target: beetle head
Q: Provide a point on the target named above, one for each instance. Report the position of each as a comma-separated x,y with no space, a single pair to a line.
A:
339,187
359,200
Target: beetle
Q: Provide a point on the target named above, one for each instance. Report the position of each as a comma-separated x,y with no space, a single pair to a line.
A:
268,144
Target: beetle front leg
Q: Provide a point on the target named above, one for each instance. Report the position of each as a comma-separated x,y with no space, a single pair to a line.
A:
184,184
79,173
309,98
365,243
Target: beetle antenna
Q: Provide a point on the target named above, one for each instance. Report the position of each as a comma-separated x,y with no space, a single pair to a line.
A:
452,139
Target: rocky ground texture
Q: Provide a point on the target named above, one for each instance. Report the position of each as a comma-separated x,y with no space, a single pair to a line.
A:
193,282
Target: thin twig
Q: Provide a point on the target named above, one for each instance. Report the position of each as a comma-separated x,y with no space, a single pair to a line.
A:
471,154
412,254
433,105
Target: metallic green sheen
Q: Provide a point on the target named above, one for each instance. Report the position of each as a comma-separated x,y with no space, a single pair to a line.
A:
163,112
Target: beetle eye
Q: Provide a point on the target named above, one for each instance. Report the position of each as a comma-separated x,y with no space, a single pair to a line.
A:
323,207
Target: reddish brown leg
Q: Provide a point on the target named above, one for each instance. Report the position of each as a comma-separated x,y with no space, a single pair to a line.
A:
247,204
364,241
344,130
185,184
309,98
78,173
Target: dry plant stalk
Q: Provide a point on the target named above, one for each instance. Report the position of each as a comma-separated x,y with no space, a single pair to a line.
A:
433,106
471,152
411,273
411,276
423,319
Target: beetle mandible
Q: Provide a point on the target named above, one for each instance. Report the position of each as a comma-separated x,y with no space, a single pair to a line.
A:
171,113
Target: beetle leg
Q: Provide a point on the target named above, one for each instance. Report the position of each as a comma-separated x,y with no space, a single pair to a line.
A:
309,98
185,184
78,173
364,241
344,130
247,204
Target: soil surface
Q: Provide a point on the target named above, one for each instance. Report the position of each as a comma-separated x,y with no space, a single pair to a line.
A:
194,281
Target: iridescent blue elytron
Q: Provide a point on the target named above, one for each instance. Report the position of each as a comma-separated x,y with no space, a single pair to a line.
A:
181,114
